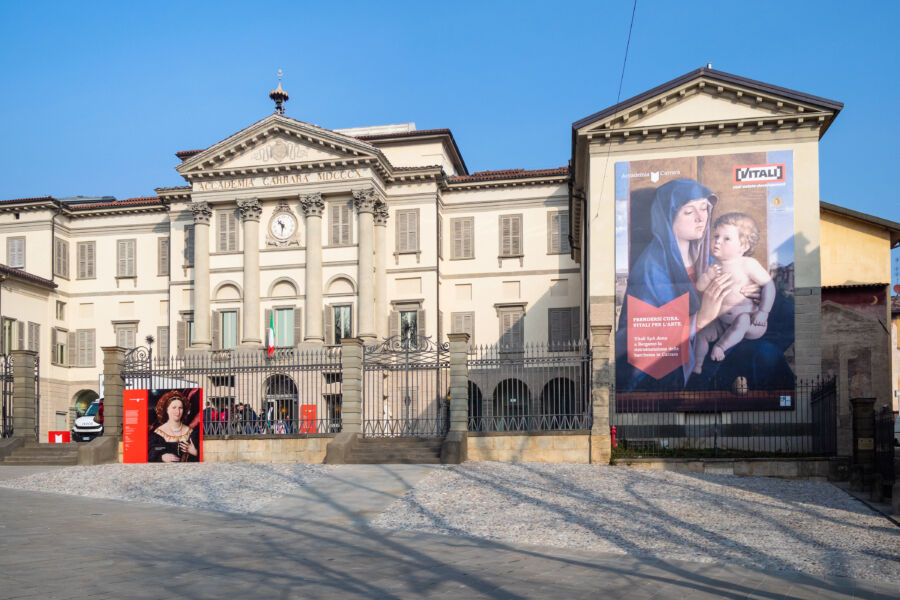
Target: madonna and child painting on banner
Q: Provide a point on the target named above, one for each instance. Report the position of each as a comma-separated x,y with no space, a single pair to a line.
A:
705,280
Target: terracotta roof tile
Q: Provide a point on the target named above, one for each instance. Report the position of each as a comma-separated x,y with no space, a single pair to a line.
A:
145,200
380,136
26,276
186,154
509,174
36,198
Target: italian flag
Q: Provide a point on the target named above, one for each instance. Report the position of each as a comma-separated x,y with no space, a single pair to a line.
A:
270,336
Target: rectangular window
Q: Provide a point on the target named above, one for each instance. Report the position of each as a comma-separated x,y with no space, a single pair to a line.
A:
408,230
464,322
463,234
409,326
61,258
15,252
125,258
563,325
87,252
85,340
9,336
333,412
343,322
229,329
189,245
58,343
510,235
60,311
558,233
162,342
512,329
163,256
125,335
34,337
339,216
284,327
227,226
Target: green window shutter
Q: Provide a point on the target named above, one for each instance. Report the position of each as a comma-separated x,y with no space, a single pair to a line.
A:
72,349
329,325
180,337
20,330
216,330
394,323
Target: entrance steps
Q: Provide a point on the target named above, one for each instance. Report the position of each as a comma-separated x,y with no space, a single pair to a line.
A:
34,454
395,450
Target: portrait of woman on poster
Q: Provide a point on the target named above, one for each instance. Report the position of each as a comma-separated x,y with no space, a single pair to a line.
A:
173,440
668,268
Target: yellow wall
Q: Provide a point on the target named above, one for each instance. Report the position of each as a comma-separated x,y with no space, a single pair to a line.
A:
853,252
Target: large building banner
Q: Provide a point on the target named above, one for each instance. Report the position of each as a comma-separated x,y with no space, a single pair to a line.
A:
705,280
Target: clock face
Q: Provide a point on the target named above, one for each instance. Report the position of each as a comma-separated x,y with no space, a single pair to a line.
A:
283,226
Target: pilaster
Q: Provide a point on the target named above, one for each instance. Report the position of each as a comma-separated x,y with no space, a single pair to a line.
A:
381,312
601,383
351,385
113,388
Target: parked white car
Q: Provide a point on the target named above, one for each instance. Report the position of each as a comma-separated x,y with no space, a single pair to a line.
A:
90,424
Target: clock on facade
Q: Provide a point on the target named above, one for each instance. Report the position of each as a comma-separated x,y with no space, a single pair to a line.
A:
283,226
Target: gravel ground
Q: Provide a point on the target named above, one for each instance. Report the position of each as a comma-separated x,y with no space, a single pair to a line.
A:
812,527
225,487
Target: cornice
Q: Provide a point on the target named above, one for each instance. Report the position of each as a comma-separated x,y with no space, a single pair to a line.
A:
783,107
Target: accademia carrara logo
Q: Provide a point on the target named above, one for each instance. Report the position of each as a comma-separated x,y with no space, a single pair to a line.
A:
758,173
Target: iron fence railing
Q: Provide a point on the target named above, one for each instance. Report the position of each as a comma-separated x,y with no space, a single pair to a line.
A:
6,395
537,387
797,422
884,448
248,393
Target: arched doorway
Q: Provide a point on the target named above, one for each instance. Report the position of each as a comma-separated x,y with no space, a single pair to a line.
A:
280,404
82,400
561,406
476,408
510,406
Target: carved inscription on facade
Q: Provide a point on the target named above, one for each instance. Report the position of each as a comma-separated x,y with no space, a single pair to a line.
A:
239,183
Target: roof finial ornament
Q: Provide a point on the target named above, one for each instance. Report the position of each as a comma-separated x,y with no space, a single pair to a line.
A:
279,96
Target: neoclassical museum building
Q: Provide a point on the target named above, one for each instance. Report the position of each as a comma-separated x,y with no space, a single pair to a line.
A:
380,231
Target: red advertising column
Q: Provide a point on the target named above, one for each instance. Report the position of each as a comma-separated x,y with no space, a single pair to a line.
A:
134,430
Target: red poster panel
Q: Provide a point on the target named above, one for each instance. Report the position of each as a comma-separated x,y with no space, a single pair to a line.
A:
134,430
307,418
59,437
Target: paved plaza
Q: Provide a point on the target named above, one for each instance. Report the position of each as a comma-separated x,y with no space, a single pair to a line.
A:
318,541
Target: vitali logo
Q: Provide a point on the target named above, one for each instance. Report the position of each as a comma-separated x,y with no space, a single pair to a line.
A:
758,173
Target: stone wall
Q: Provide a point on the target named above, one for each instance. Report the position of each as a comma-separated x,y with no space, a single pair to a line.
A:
816,469
557,447
267,449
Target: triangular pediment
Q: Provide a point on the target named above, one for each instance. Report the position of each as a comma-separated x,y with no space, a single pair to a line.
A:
710,97
276,142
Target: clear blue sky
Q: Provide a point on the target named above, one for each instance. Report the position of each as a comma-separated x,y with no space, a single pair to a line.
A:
97,96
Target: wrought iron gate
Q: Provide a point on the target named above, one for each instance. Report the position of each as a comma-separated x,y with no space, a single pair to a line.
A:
406,383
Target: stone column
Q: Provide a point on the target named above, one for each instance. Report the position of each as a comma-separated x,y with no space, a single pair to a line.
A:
202,215
365,201
381,312
24,413
455,448
601,375
251,209
113,388
313,206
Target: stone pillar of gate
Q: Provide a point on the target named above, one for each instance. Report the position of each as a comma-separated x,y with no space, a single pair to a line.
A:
351,385
455,448
24,416
113,389
338,449
365,201
381,312
250,210
202,215
601,382
313,206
